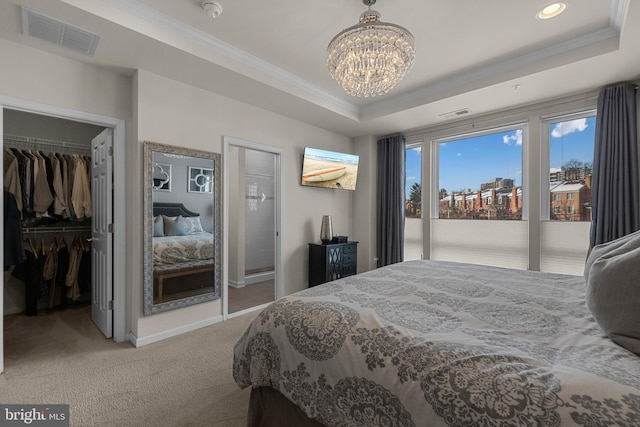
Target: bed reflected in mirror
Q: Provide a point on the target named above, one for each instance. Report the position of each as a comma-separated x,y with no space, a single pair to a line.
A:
182,239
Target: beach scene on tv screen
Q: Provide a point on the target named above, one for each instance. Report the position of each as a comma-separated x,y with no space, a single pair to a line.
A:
329,169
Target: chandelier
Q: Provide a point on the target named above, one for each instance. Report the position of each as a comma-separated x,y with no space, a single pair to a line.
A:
371,57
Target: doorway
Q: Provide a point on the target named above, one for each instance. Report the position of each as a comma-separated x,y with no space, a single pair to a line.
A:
252,203
115,131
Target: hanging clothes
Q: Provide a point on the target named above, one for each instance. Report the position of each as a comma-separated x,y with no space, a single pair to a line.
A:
50,185
75,256
59,202
58,290
81,194
30,272
13,252
12,182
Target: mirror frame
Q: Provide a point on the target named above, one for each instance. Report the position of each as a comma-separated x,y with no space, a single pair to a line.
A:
149,148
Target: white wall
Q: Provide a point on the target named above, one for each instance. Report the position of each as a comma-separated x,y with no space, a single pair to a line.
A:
174,113
39,77
163,110
364,203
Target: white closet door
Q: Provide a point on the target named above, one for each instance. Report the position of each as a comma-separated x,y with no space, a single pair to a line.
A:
101,219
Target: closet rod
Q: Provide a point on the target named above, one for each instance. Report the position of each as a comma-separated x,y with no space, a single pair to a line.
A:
57,229
48,143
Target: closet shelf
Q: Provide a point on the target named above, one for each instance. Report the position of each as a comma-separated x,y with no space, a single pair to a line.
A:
56,229
64,147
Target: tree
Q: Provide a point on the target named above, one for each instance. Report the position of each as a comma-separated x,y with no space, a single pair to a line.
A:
575,170
415,194
576,164
415,198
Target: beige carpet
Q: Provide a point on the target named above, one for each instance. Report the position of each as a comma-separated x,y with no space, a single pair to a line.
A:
251,295
61,357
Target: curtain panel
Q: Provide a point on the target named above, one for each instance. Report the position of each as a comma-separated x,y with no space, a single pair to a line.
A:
391,182
614,192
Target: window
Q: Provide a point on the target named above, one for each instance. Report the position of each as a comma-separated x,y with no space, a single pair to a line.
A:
413,182
570,140
479,169
413,202
466,163
570,209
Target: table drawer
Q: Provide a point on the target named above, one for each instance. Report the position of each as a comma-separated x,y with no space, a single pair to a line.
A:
349,258
348,270
349,248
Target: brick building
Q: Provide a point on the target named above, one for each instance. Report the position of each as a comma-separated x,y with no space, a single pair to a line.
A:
502,203
571,200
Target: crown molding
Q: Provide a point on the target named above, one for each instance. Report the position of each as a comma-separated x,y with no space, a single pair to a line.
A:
136,8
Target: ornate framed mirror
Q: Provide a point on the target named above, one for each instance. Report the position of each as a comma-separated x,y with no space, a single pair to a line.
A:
182,228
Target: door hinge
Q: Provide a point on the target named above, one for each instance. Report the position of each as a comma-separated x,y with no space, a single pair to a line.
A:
110,228
110,305
111,151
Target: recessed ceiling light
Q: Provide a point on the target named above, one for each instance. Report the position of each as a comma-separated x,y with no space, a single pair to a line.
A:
551,11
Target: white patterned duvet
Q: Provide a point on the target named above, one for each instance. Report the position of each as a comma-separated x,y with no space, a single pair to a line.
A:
429,343
179,249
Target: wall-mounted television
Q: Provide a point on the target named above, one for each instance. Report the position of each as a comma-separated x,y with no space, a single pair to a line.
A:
329,169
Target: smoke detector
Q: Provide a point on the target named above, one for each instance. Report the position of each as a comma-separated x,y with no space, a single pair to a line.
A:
213,8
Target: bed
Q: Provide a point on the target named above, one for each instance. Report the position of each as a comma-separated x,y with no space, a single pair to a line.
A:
434,343
180,245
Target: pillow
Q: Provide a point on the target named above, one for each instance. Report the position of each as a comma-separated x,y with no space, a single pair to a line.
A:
613,290
174,227
158,226
193,224
603,248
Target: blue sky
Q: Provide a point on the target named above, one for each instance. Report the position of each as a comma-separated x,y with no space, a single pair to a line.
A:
469,162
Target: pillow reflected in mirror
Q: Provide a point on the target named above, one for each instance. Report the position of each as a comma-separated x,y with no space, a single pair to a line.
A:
175,227
158,226
193,224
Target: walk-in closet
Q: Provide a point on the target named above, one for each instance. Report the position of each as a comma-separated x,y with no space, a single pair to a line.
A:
48,209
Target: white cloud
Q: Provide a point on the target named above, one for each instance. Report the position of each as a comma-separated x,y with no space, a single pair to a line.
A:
459,154
564,128
418,149
514,138
411,178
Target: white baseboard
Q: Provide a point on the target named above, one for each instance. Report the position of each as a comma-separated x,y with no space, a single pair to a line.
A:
139,342
248,310
237,285
259,277
253,278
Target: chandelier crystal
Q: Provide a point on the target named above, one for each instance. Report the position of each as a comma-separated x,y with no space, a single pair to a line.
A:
371,57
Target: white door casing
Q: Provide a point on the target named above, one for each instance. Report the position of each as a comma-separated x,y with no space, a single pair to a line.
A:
278,153
101,220
119,255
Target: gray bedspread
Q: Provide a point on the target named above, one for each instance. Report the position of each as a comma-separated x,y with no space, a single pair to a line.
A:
428,343
181,249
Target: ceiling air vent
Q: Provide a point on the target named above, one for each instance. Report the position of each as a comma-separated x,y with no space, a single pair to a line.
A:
455,113
57,32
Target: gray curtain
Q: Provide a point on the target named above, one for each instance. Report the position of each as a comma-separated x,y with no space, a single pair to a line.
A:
614,192
391,179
